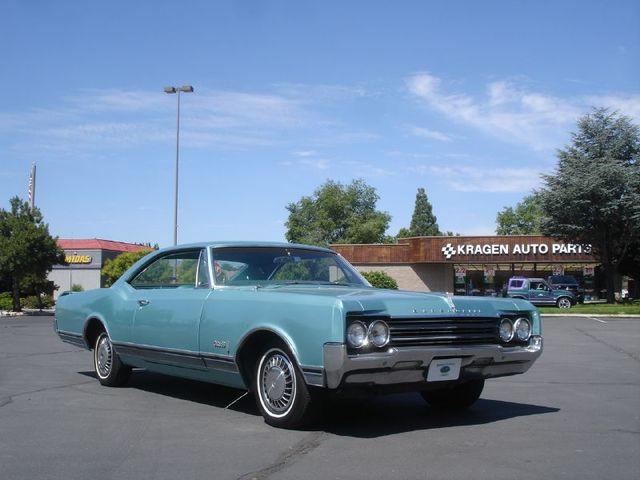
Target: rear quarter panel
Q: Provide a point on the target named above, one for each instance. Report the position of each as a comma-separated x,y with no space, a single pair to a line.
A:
105,304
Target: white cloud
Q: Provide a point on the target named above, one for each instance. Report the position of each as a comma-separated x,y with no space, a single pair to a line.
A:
95,120
430,134
364,169
626,104
317,163
305,153
513,112
473,179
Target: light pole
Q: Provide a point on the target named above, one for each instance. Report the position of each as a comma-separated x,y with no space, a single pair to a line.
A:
178,90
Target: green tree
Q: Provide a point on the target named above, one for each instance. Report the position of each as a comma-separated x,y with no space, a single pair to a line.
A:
594,194
37,285
26,247
423,222
338,213
524,219
115,267
380,279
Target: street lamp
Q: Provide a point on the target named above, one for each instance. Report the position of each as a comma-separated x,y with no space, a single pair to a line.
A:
178,90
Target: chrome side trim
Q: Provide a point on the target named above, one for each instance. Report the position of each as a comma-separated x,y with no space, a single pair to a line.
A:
220,362
159,355
176,357
313,375
72,338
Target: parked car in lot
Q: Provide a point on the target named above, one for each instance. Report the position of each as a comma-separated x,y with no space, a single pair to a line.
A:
538,292
567,282
291,323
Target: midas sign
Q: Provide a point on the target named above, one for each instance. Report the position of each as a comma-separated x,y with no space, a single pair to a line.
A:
78,259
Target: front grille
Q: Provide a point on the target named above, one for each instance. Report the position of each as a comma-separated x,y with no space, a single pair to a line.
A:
406,332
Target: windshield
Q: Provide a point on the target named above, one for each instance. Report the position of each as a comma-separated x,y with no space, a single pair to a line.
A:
279,265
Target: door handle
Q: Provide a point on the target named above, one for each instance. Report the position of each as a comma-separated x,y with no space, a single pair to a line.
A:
143,302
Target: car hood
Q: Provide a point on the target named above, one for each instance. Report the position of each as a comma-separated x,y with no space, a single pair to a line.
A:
402,302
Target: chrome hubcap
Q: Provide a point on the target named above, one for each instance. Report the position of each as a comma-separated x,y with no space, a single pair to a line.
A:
277,385
564,303
104,356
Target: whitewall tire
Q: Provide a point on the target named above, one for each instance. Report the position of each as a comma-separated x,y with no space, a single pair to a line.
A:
109,370
282,395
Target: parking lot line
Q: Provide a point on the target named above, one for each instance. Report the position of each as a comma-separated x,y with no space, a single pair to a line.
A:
594,318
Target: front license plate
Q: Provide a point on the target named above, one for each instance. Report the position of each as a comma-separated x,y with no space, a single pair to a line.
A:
442,369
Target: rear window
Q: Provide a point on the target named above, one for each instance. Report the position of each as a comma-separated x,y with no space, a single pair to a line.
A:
516,283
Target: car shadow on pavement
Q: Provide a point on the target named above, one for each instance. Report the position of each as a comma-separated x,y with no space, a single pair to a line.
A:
393,414
190,390
401,413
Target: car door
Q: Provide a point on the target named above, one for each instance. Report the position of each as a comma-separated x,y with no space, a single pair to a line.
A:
171,292
540,293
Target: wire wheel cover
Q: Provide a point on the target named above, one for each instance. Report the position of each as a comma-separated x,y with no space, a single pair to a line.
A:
104,357
277,386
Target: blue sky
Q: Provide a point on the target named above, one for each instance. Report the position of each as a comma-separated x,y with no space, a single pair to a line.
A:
467,99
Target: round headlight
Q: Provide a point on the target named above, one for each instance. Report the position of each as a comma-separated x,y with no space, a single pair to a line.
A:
506,330
357,335
379,333
523,329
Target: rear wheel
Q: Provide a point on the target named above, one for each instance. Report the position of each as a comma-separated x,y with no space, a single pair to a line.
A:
563,302
281,392
457,397
106,362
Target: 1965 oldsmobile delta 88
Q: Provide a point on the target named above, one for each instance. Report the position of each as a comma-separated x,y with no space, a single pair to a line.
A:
290,322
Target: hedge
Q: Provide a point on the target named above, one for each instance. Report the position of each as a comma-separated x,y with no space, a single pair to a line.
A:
380,279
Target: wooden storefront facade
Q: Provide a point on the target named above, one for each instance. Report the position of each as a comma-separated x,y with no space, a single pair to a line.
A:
477,265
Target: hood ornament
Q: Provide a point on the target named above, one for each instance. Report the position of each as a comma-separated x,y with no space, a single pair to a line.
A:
449,298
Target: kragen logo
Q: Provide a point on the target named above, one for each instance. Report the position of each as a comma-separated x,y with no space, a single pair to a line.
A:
448,251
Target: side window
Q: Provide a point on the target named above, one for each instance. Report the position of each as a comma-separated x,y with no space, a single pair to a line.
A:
170,271
203,270
538,286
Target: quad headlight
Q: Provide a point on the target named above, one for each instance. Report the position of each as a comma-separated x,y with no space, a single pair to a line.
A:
361,334
379,333
506,330
522,329
357,335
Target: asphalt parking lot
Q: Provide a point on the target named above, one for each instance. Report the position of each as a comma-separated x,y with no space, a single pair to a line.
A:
575,414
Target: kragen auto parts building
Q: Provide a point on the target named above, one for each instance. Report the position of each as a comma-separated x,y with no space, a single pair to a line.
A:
474,265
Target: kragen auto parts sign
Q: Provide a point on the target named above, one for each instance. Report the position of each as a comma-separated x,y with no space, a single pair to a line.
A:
449,251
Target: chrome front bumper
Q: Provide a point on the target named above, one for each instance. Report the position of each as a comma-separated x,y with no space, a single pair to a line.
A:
409,364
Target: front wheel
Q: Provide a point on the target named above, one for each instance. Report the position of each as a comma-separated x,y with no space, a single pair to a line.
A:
563,302
281,393
106,362
458,397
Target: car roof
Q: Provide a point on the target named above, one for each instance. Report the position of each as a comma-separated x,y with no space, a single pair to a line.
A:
246,244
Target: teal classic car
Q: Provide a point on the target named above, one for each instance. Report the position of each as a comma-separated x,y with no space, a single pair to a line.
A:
540,293
292,323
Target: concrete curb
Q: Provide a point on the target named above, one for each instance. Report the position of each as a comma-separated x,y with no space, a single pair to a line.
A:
27,312
599,315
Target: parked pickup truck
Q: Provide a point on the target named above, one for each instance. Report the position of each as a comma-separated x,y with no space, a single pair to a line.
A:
538,292
567,282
